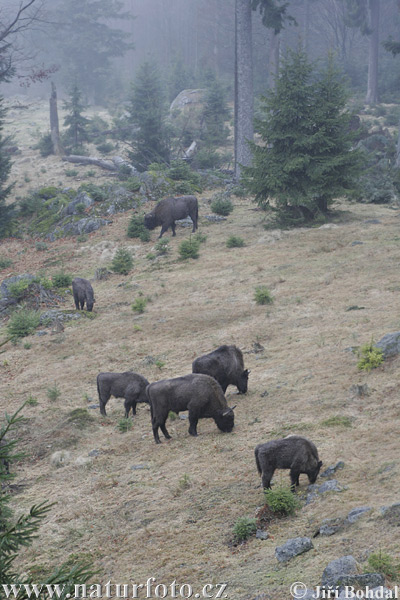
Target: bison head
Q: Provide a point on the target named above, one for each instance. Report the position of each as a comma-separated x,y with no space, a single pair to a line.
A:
313,474
150,221
89,304
225,420
242,382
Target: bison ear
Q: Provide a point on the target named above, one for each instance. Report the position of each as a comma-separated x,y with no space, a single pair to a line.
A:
247,372
320,463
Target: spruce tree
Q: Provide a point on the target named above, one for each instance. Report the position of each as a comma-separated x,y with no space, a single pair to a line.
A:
306,159
6,211
75,122
216,111
147,113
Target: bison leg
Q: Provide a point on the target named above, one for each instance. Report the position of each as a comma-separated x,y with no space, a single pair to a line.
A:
294,479
76,304
156,436
165,431
193,424
103,407
173,229
163,230
82,304
129,404
266,479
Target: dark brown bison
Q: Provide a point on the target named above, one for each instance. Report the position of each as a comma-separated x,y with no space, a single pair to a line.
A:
170,210
294,452
83,292
226,365
128,385
200,394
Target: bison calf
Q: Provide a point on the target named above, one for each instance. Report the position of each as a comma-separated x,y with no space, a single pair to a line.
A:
226,365
170,210
294,452
128,385
83,292
201,395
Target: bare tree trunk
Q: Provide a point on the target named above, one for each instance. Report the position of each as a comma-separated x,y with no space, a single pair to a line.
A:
273,66
307,26
54,127
372,91
244,105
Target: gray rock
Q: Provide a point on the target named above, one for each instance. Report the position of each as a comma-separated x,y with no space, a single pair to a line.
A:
389,344
372,580
293,548
262,535
41,333
332,469
356,513
185,222
337,569
215,218
330,486
373,594
372,221
80,199
360,390
94,453
5,285
86,225
331,526
94,406
48,317
391,513
356,243
139,467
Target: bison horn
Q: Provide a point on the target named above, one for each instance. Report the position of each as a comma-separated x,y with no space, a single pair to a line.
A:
233,407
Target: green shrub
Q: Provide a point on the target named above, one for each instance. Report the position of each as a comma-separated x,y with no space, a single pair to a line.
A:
244,528
234,241
53,392
162,246
61,280
27,345
5,262
17,289
124,425
105,147
136,228
51,191
222,206
23,323
32,401
200,237
41,246
381,562
262,295
71,172
45,145
151,256
30,205
139,305
122,262
159,363
189,249
370,357
132,184
172,416
206,158
96,192
124,172
282,501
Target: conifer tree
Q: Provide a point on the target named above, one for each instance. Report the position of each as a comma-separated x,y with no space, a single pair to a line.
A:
6,211
75,122
147,113
307,159
215,113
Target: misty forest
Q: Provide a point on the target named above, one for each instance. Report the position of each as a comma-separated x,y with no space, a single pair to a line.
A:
199,312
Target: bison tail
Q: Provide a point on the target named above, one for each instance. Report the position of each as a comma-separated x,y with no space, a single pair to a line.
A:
257,461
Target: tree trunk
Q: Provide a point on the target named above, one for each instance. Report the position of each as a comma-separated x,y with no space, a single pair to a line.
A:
273,67
54,127
372,91
244,107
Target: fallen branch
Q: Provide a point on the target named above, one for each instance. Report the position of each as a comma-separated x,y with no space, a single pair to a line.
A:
90,160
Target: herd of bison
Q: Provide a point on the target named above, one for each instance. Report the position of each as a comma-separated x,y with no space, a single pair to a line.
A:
202,393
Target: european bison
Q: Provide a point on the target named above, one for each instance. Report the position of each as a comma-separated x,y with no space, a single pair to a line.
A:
201,395
170,210
226,365
83,292
294,452
128,385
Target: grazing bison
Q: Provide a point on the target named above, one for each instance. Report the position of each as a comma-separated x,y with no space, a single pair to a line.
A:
226,365
128,385
199,394
294,452
170,210
83,292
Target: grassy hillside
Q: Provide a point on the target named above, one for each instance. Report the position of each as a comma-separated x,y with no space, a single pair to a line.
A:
141,510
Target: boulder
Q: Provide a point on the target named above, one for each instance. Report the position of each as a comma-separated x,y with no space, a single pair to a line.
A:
356,513
332,469
337,569
292,548
389,344
81,199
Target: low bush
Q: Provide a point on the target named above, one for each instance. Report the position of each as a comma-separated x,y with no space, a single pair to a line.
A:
282,501
61,280
5,262
45,145
189,249
262,295
162,246
370,357
53,392
96,192
234,241
122,262
23,323
139,305
136,228
105,147
381,562
222,206
244,528
17,289
124,425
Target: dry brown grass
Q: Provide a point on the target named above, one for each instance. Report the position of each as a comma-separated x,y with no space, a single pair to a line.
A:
141,523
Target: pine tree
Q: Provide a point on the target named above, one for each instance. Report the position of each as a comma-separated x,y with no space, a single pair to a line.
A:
147,113
6,211
75,122
306,160
215,113
16,533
